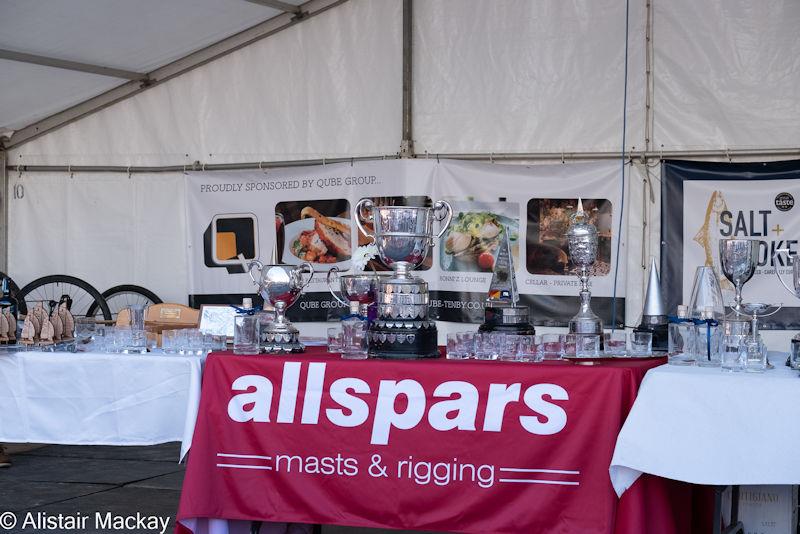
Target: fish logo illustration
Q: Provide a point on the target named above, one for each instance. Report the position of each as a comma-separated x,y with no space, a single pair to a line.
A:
708,234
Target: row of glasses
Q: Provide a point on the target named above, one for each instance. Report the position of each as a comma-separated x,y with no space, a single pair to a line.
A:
513,347
191,341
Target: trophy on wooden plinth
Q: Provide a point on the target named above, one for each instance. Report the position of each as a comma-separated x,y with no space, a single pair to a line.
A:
502,312
403,236
582,240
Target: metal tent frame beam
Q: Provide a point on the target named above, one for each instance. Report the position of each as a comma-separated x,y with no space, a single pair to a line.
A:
70,65
277,4
167,72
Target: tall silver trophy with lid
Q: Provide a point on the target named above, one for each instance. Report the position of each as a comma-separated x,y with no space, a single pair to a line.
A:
582,239
403,236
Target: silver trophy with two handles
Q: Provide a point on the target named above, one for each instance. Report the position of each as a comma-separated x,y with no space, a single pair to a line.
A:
280,286
403,236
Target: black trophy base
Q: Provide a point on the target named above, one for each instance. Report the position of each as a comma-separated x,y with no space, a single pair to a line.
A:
507,320
403,339
281,343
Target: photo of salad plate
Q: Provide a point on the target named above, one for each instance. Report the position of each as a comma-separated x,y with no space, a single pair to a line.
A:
471,242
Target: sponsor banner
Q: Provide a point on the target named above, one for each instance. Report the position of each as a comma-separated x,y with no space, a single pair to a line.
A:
704,202
306,214
434,445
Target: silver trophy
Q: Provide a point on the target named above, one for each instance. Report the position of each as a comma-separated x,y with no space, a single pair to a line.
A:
739,259
403,236
280,286
795,271
582,240
357,291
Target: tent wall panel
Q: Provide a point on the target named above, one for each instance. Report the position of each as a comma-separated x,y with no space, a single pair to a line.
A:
726,74
107,229
522,76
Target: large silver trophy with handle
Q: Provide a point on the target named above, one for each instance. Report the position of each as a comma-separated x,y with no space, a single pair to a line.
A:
280,286
795,271
582,241
403,236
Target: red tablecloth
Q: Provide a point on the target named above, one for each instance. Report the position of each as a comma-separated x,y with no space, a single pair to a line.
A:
463,446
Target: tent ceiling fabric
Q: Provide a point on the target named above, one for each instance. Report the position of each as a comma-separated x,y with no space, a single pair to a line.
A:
329,86
137,36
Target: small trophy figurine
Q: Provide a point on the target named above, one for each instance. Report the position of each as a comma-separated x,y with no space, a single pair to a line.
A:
502,313
582,239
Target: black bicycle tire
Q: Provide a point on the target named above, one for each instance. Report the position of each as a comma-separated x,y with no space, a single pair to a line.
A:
66,279
130,288
13,288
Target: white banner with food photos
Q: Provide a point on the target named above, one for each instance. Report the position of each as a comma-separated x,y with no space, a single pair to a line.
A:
306,214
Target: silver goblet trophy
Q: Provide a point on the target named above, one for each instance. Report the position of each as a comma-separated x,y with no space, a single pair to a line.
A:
280,286
403,236
739,259
582,240
357,291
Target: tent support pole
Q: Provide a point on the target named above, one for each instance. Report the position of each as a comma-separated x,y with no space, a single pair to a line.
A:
3,212
407,144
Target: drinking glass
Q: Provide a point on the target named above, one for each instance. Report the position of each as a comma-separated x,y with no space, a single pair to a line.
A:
706,293
489,345
641,343
84,328
552,347
354,340
335,339
220,342
245,335
731,352
138,337
454,349
754,355
168,341
615,343
587,345
152,340
529,348
509,349
794,354
466,343
569,344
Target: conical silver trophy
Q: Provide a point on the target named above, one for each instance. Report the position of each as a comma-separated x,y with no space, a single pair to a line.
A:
403,235
280,286
582,240
654,312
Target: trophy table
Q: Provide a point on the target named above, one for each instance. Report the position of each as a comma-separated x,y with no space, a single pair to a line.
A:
403,236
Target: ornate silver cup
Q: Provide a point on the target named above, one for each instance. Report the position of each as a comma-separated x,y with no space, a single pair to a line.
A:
582,240
280,286
739,258
403,234
357,291
795,271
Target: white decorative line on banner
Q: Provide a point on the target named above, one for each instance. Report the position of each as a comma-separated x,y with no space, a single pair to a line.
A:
239,466
536,480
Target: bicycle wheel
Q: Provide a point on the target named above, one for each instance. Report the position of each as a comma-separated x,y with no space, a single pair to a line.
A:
57,288
13,288
120,297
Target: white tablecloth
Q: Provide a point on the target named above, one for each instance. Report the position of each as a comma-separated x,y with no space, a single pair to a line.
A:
704,426
98,399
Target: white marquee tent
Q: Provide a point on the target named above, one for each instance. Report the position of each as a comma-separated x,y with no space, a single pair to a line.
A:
104,103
